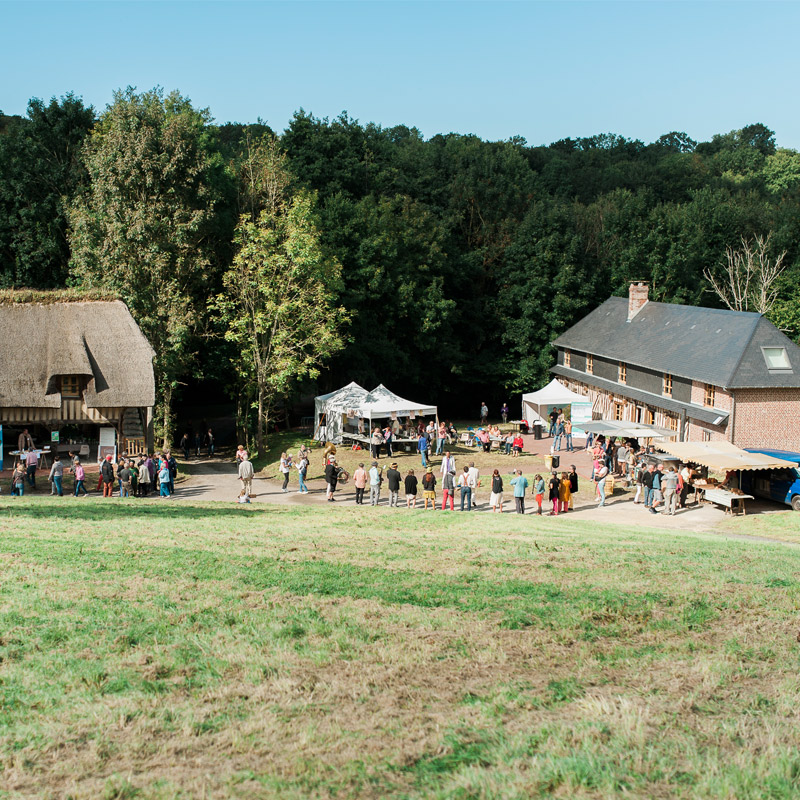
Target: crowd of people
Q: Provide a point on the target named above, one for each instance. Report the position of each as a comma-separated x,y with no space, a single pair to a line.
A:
127,476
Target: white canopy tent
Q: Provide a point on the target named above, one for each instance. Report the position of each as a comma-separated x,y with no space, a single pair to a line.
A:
330,411
536,405
352,403
382,403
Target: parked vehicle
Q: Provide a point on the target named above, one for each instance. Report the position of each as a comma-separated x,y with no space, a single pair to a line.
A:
780,485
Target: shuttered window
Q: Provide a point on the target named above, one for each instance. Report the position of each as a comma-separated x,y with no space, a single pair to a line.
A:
70,386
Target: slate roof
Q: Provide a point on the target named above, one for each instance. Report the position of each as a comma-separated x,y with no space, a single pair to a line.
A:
712,416
711,345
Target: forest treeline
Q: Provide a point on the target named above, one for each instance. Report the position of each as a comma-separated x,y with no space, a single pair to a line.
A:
460,259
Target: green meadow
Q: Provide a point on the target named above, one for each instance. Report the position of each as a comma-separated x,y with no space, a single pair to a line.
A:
187,651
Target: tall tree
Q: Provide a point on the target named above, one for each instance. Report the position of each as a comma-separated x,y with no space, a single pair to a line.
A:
142,228
278,303
41,167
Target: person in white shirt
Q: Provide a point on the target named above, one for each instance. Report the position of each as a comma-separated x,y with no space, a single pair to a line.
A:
448,464
475,482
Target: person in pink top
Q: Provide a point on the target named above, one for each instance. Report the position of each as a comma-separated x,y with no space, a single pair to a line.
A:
360,482
80,476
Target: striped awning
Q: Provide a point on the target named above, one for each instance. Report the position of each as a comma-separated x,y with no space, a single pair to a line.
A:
722,456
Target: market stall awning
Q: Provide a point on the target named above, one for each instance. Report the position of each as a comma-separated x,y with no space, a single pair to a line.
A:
722,456
632,430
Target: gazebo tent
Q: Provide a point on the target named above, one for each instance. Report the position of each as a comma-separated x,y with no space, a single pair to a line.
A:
331,409
381,403
554,394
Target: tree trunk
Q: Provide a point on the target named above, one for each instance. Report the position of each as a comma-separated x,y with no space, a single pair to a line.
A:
260,448
166,419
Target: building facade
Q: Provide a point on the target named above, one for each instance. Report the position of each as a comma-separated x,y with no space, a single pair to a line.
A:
707,374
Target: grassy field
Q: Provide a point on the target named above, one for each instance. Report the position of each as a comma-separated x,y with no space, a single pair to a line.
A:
186,651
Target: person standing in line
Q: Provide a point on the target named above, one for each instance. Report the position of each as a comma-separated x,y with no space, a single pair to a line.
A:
448,464
285,466
393,482
80,476
496,497
56,476
144,478
538,491
107,476
568,435
687,476
172,467
198,441
600,475
422,449
331,479
210,442
163,477
504,413
429,489
125,475
186,445
484,413
302,471
410,483
573,485
657,495
448,489
648,476
554,488
360,483
564,493
474,482
246,473
520,484
31,464
465,488
375,479
669,486
621,457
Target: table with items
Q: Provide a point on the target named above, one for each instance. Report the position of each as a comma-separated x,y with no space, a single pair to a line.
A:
732,502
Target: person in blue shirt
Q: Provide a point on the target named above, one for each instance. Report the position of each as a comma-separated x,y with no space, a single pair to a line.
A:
422,447
520,484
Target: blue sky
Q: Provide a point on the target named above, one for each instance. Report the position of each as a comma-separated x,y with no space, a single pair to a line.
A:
542,70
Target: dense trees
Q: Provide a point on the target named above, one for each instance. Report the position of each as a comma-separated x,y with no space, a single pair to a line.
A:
460,259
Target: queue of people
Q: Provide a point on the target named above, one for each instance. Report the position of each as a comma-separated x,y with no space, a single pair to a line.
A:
127,477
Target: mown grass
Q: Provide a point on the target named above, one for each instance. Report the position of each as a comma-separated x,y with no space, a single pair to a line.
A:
166,651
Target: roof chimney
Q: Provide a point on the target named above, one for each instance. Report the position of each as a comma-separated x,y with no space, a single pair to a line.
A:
637,296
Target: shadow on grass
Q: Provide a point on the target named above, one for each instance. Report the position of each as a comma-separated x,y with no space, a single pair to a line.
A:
115,510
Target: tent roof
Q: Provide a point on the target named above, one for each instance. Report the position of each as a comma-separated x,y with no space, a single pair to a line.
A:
384,401
722,456
554,393
347,397
633,430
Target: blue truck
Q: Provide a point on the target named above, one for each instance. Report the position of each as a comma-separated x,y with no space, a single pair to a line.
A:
780,485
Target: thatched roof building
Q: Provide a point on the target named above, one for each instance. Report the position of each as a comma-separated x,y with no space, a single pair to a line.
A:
73,362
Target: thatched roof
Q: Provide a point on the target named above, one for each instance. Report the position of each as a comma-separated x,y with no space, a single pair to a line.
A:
95,339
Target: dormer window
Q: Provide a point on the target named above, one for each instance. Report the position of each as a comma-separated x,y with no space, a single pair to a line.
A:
567,358
590,363
622,373
70,386
777,359
667,385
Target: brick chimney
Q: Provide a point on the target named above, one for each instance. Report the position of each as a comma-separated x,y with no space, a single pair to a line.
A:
637,297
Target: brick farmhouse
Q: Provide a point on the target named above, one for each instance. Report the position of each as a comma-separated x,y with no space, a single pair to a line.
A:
706,373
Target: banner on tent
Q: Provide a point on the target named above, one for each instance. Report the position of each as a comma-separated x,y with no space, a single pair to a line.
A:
581,412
